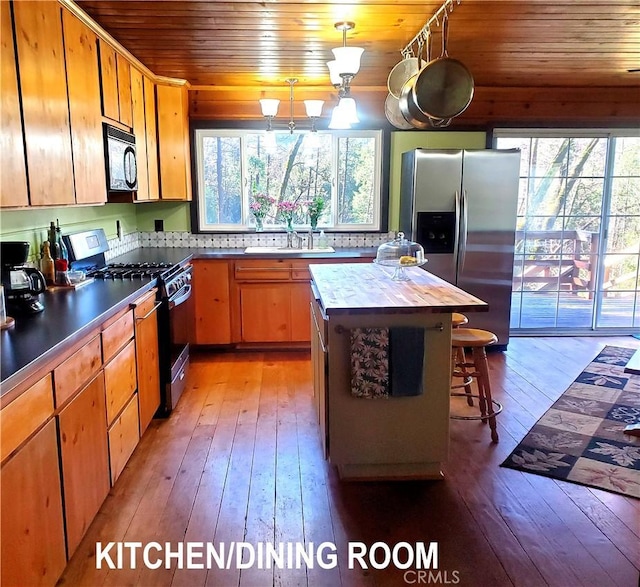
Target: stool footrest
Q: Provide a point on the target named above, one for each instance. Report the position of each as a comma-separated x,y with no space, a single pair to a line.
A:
495,403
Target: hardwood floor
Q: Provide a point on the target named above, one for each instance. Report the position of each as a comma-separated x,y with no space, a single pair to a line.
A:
240,460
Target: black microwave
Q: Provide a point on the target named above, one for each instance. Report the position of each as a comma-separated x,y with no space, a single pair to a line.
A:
120,152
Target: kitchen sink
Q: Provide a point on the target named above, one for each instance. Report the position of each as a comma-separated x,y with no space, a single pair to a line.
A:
286,250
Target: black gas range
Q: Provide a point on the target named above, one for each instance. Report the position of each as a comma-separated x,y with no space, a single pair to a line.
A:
87,253
130,270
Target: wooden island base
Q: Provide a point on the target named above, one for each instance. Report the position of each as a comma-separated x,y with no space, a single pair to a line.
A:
399,437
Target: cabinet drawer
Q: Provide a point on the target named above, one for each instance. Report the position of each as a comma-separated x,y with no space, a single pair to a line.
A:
144,305
120,380
263,270
116,335
25,415
123,438
300,271
73,373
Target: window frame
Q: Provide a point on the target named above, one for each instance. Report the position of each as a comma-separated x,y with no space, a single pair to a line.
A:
213,128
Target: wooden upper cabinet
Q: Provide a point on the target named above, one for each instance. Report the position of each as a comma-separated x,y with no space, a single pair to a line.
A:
43,84
13,172
115,80
83,84
109,81
152,139
124,90
173,142
140,131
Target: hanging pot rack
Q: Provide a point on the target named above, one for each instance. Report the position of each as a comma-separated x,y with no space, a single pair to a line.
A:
423,34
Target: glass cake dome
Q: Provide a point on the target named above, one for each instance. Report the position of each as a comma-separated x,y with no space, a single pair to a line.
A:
400,253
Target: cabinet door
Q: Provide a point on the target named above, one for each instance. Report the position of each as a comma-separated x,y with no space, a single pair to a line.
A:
85,459
109,81
32,529
124,90
45,108
265,310
120,380
211,302
140,131
13,172
300,319
147,359
123,438
83,84
152,139
173,147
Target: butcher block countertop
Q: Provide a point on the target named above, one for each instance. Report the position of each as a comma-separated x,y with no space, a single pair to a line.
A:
363,288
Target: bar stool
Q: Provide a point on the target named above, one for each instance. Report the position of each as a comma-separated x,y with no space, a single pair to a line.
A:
477,340
458,359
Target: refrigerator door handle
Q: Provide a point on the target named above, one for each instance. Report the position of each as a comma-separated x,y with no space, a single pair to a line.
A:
462,248
456,240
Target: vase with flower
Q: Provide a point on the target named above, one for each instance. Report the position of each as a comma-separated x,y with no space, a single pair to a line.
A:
315,208
259,208
287,210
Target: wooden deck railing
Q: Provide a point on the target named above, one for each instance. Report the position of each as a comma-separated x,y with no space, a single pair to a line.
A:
572,270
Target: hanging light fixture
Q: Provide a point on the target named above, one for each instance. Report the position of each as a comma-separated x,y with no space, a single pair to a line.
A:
347,59
269,109
342,70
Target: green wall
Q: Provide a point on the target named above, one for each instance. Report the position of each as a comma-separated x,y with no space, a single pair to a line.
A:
175,216
31,225
402,141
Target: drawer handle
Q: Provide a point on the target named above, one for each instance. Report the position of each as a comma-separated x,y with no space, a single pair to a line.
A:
241,269
315,321
439,326
155,307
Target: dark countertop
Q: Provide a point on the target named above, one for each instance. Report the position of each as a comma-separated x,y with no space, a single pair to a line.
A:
71,314
341,253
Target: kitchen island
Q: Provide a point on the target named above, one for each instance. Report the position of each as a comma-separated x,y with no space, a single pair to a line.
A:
402,432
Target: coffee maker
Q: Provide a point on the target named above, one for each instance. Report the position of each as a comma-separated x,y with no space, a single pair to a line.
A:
22,285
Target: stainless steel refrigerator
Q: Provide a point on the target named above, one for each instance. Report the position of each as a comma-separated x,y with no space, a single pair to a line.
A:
461,207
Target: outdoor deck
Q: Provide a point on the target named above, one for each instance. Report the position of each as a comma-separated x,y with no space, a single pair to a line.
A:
546,310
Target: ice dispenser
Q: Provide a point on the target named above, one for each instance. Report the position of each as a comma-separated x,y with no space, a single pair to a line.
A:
436,231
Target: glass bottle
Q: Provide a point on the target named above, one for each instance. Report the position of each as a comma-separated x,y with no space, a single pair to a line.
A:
46,264
54,247
64,254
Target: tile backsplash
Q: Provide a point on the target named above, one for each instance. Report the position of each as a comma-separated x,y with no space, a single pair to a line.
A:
255,239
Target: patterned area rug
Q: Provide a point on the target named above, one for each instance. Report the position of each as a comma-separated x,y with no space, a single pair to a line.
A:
580,438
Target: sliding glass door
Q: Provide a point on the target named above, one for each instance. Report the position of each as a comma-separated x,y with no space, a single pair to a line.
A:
578,232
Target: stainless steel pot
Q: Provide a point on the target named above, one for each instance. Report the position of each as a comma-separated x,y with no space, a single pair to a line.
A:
393,114
443,89
400,73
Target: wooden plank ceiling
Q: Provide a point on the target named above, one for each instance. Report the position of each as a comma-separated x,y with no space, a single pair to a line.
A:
234,52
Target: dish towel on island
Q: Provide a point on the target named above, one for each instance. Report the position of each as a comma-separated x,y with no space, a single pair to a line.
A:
386,362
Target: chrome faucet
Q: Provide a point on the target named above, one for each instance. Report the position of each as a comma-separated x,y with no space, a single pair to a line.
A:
296,240
310,239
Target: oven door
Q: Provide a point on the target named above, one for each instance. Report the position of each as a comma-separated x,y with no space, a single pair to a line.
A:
178,314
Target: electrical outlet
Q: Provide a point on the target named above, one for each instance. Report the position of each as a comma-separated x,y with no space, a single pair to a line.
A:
159,225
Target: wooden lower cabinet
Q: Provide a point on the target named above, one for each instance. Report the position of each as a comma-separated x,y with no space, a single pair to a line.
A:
211,302
85,460
124,435
299,299
147,358
120,380
265,312
33,543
